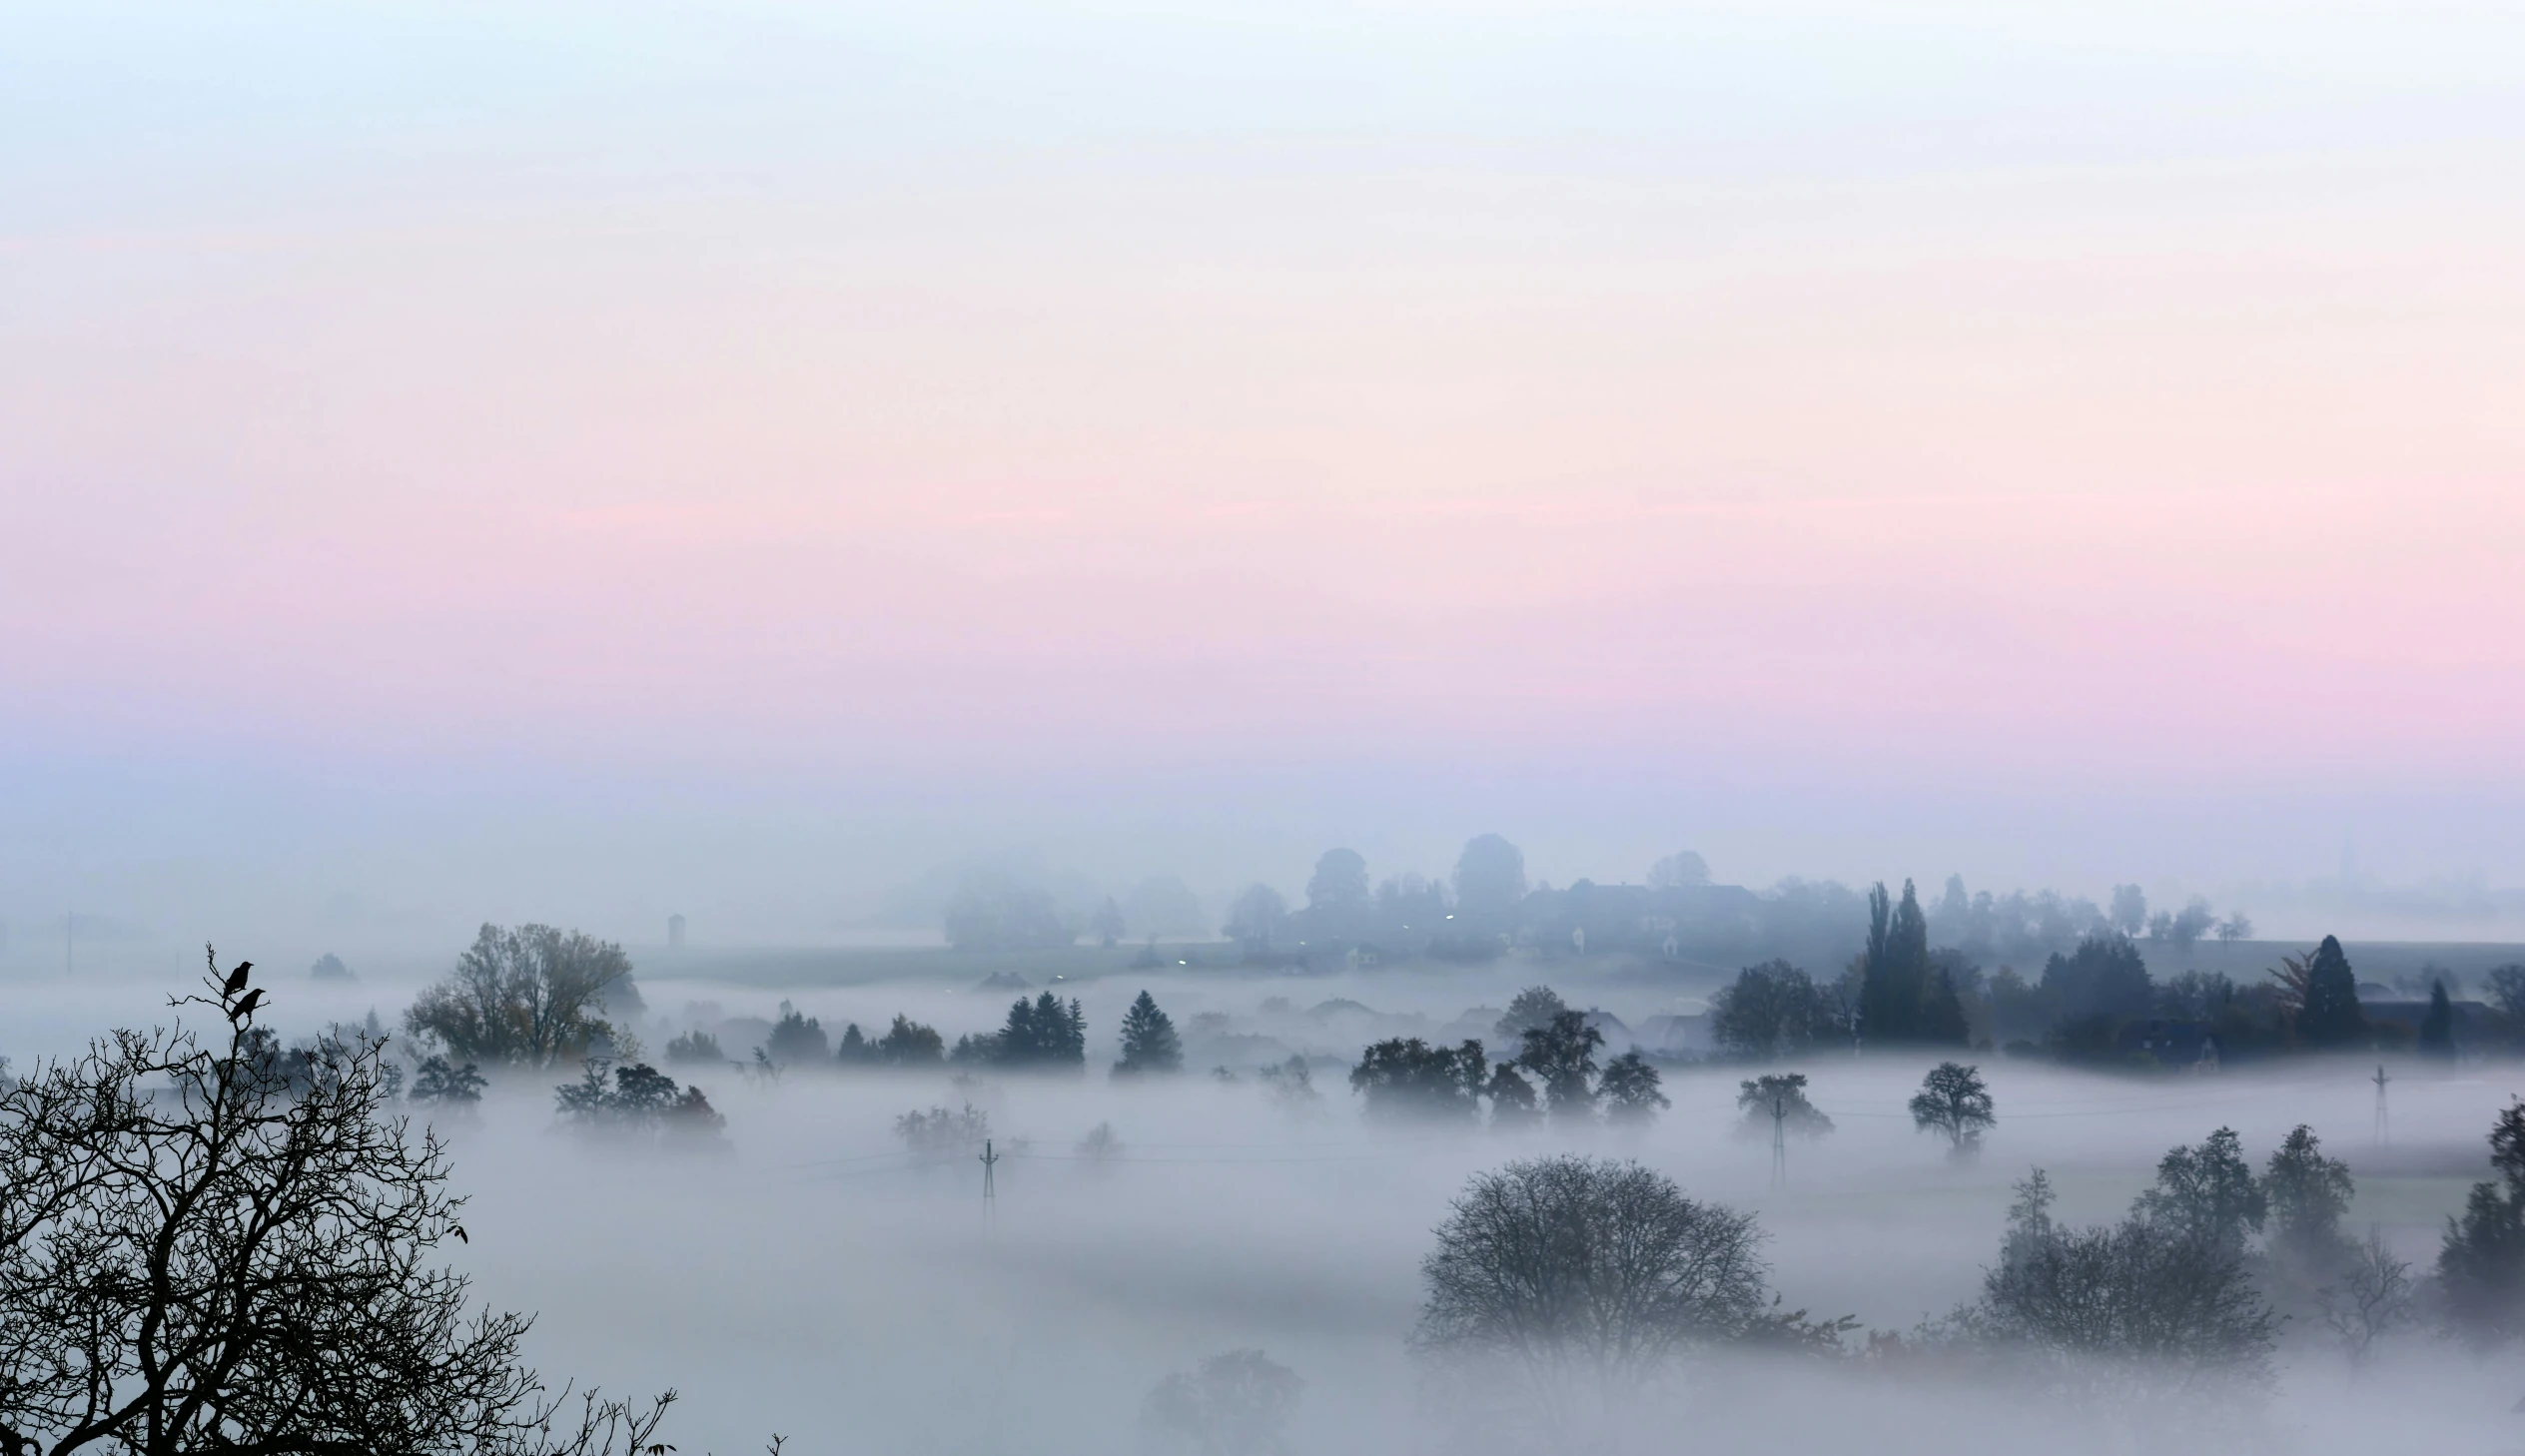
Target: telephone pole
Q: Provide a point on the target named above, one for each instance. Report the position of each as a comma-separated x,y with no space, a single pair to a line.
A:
1779,1141
990,1194
2384,1130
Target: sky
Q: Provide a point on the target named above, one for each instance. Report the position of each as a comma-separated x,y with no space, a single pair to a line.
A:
593,459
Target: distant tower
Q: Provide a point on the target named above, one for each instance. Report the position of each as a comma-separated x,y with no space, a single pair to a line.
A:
675,932
2383,1132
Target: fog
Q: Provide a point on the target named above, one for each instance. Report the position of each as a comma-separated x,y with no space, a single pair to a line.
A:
812,1278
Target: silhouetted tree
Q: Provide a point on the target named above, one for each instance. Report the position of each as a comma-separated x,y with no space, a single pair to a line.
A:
329,967
440,1081
1512,1101
1236,1404
2208,1193
2438,1027
1045,1033
196,1256
695,1049
2481,1263
1630,1091
2105,977
531,995
2330,1015
2506,985
939,1131
1562,1057
1562,1264
854,1050
641,1102
1954,1100
1770,1009
1780,1096
2079,1308
2306,1193
1149,1040
1528,1010
908,1044
796,1038
1903,997
1404,1078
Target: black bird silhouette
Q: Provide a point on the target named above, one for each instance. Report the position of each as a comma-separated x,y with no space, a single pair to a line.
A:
461,1235
237,978
246,1005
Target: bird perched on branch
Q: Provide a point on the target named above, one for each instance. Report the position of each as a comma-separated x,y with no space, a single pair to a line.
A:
246,1005
237,978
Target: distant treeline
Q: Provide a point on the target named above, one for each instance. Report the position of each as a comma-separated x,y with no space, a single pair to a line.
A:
1486,907
2095,1003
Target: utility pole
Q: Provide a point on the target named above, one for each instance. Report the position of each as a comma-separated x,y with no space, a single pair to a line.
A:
2384,1130
990,1194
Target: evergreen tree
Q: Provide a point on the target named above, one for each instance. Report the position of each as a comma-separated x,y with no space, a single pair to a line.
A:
1149,1040
2438,1029
1041,1032
2330,1017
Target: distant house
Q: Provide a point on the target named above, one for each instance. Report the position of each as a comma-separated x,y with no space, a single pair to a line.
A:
2180,1045
1676,1035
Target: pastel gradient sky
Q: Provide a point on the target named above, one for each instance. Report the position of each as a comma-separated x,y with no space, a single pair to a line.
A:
2049,440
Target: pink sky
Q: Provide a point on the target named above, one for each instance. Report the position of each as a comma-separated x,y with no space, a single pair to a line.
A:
2127,398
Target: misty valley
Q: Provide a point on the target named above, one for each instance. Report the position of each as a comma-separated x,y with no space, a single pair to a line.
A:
1460,1164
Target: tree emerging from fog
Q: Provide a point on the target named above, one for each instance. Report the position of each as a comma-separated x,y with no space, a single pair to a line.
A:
638,1101
1630,1091
1150,1044
531,995
1952,1100
1570,1265
2145,1300
1562,1054
1406,1077
1773,1010
197,1254
1046,1033
1778,1102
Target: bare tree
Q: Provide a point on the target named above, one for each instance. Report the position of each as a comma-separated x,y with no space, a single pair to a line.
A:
197,1253
1568,1265
2372,1300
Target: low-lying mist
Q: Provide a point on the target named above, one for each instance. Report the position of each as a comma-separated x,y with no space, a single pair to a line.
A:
807,1274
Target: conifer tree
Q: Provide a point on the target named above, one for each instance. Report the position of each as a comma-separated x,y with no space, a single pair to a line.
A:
2330,1017
2438,1029
1149,1040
